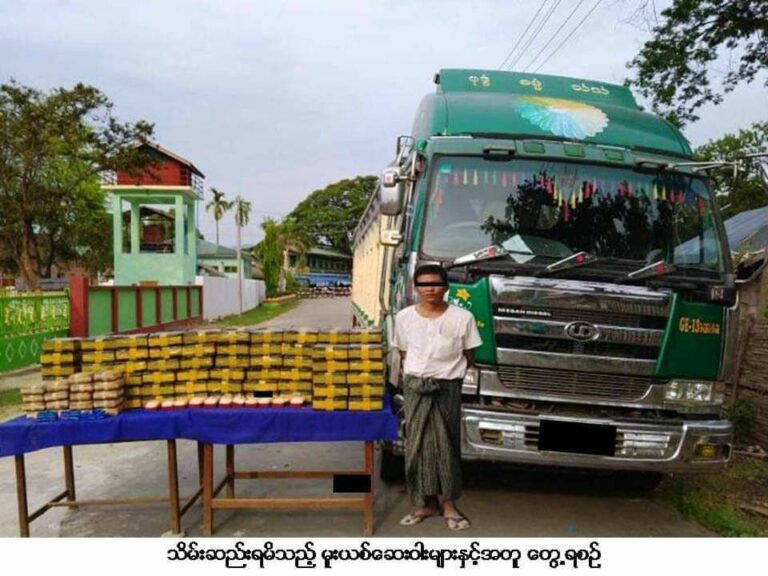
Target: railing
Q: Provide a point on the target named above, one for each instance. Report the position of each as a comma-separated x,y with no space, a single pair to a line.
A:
99,310
26,320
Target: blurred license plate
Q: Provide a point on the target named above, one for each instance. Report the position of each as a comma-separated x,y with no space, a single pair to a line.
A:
577,437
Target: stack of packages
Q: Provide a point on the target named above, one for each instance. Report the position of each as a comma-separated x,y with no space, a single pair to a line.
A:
296,376
366,371
198,352
80,394
266,363
230,365
158,382
33,399
132,359
98,354
348,370
329,370
60,358
108,392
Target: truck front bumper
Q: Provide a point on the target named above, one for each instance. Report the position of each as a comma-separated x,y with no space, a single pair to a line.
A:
667,446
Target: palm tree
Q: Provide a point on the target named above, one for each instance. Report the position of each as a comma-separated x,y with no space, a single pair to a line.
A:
219,206
242,217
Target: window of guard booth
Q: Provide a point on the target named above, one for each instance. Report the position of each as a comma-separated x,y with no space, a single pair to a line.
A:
157,229
125,210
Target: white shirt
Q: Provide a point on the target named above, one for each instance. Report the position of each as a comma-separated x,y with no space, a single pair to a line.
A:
435,346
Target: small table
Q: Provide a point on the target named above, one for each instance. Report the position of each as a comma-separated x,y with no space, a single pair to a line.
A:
284,425
23,435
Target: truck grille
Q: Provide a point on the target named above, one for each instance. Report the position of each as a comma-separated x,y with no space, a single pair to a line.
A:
570,384
579,326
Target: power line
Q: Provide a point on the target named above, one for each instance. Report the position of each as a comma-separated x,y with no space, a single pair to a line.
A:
532,37
519,38
551,38
569,35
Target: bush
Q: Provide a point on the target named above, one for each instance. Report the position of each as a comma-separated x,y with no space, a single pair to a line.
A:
741,414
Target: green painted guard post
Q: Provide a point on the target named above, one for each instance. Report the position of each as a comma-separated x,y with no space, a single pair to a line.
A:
26,320
100,310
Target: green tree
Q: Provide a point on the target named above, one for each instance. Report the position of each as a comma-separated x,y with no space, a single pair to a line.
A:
745,191
270,254
674,68
53,145
328,217
219,206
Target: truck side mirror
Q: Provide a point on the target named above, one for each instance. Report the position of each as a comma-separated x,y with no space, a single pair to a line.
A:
391,192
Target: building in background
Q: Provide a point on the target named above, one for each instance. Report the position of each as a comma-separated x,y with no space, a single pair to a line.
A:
320,267
216,260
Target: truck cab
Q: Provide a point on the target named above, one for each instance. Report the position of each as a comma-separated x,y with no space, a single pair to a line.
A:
589,247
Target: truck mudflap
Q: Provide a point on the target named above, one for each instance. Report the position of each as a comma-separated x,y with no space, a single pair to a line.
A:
615,444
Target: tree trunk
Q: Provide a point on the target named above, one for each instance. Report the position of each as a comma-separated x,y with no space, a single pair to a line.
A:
26,260
217,232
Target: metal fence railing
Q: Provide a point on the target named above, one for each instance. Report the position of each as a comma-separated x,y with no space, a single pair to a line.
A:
26,320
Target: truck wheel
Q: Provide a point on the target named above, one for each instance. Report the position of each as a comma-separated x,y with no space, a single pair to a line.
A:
639,482
392,470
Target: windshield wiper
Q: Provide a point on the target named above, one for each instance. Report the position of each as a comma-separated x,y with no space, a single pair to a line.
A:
660,268
572,261
492,252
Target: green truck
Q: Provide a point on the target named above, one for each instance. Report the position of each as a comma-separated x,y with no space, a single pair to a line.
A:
589,247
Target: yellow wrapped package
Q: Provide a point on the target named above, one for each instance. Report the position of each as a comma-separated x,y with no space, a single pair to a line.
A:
98,344
165,353
291,349
233,337
366,352
366,391
266,349
290,387
225,387
300,336
329,391
266,361
296,374
366,366
232,349
158,378
298,362
330,352
165,339
329,378
227,374
196,363
157,390
365,378
266,336
56,371
60,345
132,354
365,336
335,336
56,358
329,404
132,367
99,356
366,404
164,365
192,375
265,374
198,350
191,387
232,362
335,366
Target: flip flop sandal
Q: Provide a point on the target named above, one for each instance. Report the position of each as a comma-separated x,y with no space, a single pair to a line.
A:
457,523
417,517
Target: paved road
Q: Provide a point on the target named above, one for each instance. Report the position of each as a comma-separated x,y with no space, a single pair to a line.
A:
500,500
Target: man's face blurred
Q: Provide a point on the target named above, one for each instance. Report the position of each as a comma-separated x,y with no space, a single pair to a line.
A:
435,292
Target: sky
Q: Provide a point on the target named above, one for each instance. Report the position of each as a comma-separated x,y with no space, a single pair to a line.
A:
273,99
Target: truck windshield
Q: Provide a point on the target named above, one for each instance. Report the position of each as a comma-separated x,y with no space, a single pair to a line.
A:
554,209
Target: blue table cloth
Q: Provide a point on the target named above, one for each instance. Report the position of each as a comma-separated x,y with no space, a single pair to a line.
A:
216,426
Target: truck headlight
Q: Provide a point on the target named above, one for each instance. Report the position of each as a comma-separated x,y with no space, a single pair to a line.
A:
694,391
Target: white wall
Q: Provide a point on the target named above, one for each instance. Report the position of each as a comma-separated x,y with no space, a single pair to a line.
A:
220,295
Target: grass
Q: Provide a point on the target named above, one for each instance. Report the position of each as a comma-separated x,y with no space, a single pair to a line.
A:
257,315
713,500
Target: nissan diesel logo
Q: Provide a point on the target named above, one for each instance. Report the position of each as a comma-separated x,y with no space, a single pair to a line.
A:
582,331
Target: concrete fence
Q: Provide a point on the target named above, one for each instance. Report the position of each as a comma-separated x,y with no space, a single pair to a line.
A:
220,295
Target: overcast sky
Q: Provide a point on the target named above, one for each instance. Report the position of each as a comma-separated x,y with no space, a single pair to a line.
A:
275,99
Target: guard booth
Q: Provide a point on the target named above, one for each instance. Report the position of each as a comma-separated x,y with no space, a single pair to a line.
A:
154,221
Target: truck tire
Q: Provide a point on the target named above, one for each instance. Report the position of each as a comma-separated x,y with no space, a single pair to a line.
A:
392,468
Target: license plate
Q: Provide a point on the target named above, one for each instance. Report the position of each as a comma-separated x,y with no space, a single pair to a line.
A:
577,437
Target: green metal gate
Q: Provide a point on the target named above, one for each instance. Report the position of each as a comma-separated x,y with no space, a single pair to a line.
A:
26,320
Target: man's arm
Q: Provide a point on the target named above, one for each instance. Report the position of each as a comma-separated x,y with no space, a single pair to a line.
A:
470,356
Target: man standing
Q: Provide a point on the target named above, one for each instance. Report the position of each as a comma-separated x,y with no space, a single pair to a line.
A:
435,341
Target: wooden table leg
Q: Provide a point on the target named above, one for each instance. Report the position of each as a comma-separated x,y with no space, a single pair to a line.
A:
69,476
21,496
369,497
207,489
173,487
200,462
230,471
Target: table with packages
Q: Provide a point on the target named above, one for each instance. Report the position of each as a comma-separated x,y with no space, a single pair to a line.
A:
226,427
